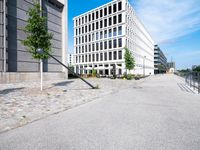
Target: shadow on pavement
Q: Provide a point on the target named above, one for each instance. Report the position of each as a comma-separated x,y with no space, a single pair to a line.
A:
184,88
7,91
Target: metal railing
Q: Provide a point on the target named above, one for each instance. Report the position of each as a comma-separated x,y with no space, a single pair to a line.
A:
193,80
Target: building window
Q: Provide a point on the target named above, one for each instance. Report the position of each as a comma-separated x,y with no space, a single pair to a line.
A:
85,19
92,16
89,17
82,29
82,39
110,9
105,11
82,20
101,13
114,8
101,35
120,42
114,19
105,45
82,49
93,57
89,37
110,32
76,31
79,30
89,48
89,58
119,18
85,58
79,49
97,14
101,24
92,47
85,29
101,57
105,34
105,22
119,6
101,46
92,36
110,55
110,21
120,55
76,50
110,44
115,43
79,21
89,27
97,25
85,48
105,56
120,30
114,55
114,31
97,57
86,38
76,22
97,46
97,36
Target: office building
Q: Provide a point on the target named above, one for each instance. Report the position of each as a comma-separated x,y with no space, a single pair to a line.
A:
160,61
100,36
71,60
16,64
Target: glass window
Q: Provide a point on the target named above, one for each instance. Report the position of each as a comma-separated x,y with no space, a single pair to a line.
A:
85,48
101,13
97,14
110,44
101,57
92,47
82,29
105,11
114,8
105,45
120,42
93,26
89,27
85,19
89,17
97,25
105,56
82,39
97,46
76,50
114,31
76,31
105,33
79,30
97,57
92,16
79,49
93,37
101,46
79,21
85,29
89,48
82,49
120,55
86,38
82,20
119,6
115,43
114,55
114,19
97,36
101,35
110,9
85,58
89,58
110,55
119,18
101,24
105,22
110,32
110,21
93,57
120,30
82,58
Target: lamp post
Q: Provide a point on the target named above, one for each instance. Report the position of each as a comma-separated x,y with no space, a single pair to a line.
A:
144,65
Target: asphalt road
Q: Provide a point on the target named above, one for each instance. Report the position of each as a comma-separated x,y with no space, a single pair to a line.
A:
159,114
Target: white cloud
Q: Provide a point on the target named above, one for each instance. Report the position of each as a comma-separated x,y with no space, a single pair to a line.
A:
167,20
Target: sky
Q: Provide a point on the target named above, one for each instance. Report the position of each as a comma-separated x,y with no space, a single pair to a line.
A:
173,24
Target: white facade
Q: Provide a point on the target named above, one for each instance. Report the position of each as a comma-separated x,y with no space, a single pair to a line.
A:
101,35
71,59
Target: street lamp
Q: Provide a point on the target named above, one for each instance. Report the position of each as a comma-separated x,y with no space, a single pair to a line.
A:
144,65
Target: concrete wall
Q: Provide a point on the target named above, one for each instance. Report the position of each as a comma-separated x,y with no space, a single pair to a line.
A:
19,60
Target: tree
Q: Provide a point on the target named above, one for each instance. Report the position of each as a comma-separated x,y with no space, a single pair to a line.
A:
129,60
197,69
37,35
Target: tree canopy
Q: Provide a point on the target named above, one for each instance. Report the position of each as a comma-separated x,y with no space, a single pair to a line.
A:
37,33
129,59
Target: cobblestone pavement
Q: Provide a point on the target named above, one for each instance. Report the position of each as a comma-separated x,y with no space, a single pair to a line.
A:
22,103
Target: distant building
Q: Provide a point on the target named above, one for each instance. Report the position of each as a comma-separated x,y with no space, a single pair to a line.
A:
71,59
171,67
101,34
160,61
16,64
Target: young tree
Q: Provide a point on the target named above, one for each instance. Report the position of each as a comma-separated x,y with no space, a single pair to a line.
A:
129,60
37,34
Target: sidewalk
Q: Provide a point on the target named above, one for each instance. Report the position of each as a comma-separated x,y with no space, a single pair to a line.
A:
23,103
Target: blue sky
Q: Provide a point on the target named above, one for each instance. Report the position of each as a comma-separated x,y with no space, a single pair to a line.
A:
173,24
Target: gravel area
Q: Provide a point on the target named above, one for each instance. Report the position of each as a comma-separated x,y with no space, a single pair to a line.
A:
22,103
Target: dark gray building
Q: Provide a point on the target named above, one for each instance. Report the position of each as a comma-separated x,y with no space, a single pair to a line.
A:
160,61
15,62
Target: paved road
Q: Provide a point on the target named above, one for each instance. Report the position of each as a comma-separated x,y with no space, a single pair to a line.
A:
159,114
